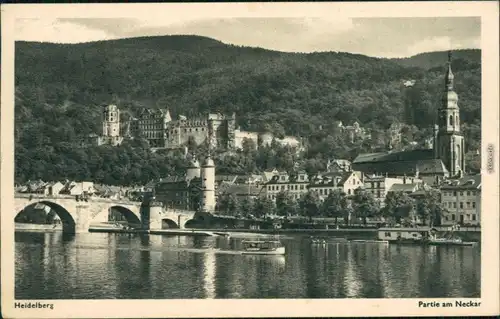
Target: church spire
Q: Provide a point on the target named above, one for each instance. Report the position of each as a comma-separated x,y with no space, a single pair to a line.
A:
449,74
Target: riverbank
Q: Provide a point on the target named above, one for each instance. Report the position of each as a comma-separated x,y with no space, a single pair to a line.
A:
37,227
347,233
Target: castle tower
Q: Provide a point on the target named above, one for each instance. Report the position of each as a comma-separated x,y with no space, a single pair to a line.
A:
111,121
193,169
450,141
208,185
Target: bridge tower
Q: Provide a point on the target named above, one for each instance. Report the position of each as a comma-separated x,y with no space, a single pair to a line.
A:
208,185
193,170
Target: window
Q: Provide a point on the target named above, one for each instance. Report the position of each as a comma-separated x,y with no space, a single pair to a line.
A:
461,205
468,193
455,193
269,188
468,204
387,234
454,205
449,204
461,193
301,187
378,184
296,187
282,187
473,204
473,216
414,235
452,216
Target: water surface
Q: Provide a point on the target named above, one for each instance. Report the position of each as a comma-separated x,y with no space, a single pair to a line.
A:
123,266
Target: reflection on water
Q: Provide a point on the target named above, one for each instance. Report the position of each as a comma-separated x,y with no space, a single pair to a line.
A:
131,266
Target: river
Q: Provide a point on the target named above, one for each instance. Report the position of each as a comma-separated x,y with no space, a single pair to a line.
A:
123,266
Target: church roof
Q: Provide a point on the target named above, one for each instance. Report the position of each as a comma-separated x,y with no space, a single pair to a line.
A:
412,155
400,163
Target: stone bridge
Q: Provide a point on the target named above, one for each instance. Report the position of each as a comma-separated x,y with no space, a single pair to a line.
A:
77,216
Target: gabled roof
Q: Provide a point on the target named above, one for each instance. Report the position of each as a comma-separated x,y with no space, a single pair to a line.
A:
404,187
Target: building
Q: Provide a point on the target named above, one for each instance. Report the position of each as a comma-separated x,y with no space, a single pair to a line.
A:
240,136
195,190
110,127
338,165
55,188
379,186
449,144
395,136
294,185
461,200
241,191
161,131
78,188
326,183
152,125
266,139
432,165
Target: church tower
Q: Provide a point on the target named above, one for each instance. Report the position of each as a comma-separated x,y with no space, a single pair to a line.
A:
450,141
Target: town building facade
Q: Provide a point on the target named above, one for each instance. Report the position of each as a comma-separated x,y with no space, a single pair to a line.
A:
461,201
326,183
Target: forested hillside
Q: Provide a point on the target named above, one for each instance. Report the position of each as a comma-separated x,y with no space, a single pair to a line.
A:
60,90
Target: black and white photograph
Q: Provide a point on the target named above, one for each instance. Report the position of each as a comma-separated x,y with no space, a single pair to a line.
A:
181,152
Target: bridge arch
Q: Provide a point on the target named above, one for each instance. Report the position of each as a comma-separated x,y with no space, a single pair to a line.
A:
167,223
67,219
129,215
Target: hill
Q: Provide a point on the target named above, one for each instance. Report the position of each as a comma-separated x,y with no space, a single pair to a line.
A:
60,89
437,59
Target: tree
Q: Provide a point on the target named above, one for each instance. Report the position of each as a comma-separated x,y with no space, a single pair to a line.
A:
310,204
227,204
263,206
284,204
364,205
398,205
246,206
335,205
429,207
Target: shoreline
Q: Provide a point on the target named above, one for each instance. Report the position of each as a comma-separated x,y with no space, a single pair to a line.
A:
348,233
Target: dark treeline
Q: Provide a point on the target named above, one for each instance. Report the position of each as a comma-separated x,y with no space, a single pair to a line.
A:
60,90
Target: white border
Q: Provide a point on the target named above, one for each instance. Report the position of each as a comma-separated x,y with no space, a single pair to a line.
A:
488,11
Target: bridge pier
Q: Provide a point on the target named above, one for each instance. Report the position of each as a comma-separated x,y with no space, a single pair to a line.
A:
151,215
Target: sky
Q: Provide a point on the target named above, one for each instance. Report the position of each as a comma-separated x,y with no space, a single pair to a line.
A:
378,37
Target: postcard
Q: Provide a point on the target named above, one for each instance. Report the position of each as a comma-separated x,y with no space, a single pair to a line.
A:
249,160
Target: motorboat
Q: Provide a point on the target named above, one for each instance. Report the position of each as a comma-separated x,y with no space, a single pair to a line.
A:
263,247
448,242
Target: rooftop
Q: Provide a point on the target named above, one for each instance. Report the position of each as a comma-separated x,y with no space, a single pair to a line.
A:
466,182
